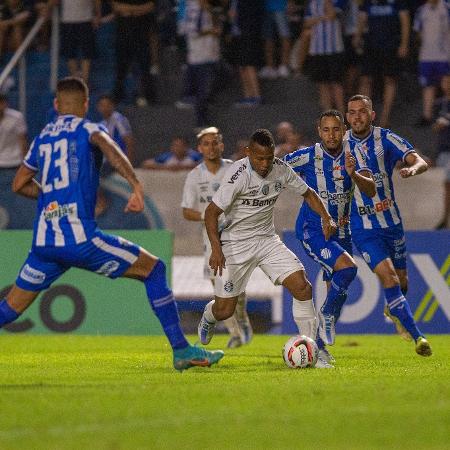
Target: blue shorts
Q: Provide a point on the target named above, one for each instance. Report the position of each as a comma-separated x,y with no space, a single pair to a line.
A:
104,254
431,73
380,243
325,252
276,22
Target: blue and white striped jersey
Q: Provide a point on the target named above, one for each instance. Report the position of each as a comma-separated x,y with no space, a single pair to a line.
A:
327,176
326,36
383,149
68,166
118,127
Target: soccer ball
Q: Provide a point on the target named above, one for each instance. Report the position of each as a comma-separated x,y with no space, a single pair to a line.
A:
300,352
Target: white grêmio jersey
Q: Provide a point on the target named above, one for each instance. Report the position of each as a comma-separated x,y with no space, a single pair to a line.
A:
248,200
200,186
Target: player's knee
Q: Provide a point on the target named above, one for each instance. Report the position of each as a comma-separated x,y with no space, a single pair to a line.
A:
390,279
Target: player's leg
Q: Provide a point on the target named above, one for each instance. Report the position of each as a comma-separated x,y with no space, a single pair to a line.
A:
243,319
15,303
115,257
36,275
240,263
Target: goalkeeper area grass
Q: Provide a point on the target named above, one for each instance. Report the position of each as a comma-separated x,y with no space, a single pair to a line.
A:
98,392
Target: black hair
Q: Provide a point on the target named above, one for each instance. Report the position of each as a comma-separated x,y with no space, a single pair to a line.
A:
331,113
263,137
72,84
108,97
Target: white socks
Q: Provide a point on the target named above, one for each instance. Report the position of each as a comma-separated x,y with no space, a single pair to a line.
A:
305,317
208,314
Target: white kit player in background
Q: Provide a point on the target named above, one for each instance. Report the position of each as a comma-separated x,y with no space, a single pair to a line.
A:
248,240
201,184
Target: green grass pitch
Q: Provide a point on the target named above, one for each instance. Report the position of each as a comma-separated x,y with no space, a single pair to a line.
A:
86,392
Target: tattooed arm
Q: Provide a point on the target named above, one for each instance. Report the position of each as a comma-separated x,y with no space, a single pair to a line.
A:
123,167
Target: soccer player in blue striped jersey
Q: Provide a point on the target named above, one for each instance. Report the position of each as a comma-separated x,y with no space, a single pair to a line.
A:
67,156
332,170
376,224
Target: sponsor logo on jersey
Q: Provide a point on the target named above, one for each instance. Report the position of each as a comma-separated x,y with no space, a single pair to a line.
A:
378,207
108,268
260,203
336,198
236,174
55,211
32,275
378,177
299,160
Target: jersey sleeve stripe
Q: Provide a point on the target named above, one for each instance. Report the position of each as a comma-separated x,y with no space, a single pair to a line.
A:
27,164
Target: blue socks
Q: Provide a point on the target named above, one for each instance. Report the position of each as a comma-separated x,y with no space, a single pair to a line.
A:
399,307
163,304
7,314
337,294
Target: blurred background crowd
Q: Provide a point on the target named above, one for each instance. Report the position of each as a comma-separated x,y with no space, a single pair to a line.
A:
159,70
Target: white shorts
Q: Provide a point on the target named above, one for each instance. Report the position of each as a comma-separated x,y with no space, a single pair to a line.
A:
242,257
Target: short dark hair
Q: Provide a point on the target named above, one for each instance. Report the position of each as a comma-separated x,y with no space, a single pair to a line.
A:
263,137
108,97
72,84
331,113
360,97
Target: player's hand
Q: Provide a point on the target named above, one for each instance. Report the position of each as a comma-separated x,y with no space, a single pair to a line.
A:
407,172
136,201
403,51
329,227
350,163
217,261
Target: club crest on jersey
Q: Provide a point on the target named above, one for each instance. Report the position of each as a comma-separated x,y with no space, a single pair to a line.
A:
55,211
228,286
325,253
278,186
265,189
215,186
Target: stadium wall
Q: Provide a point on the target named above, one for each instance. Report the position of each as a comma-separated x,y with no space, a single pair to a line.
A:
428,293
81,302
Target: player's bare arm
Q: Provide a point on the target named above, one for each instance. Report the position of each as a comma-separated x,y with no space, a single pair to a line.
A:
328,225
217,259
193,215
123,166
415,165
362,179
24,183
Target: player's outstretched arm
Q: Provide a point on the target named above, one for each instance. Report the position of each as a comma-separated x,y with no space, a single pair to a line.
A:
217,259
123,166
328,225
416,165
24,183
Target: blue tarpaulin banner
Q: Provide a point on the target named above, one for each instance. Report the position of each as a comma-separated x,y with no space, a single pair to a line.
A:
428,293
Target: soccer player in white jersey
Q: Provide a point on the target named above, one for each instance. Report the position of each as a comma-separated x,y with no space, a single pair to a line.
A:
376,225
67,156
248,240
332,170
201,184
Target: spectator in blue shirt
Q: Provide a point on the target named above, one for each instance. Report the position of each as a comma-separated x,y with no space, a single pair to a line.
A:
179,157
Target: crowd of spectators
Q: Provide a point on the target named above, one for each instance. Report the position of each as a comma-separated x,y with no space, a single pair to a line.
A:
343,46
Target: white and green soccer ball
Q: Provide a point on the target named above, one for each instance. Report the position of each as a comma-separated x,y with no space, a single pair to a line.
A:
300,352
